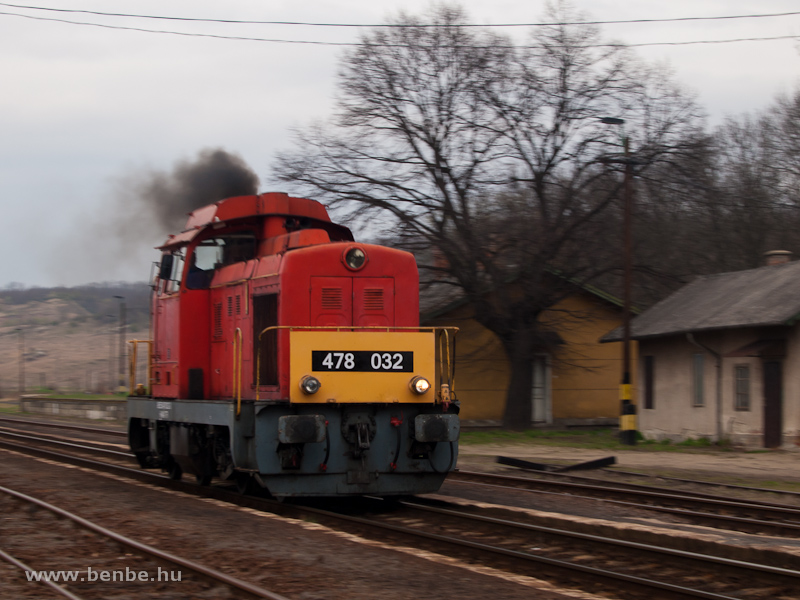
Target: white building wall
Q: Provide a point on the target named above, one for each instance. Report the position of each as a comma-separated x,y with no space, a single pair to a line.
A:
791,389
674,416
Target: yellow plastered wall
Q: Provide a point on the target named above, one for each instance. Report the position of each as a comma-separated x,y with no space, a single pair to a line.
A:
585,373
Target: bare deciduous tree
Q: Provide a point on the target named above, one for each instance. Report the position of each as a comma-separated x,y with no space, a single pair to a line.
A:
731,198
491,154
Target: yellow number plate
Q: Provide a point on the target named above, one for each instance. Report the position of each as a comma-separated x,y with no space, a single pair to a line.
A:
362,366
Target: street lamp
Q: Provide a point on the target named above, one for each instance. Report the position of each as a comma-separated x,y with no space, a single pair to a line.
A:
21,344
121,371
627,420
110,352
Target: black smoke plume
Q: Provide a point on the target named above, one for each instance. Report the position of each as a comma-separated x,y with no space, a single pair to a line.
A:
116,241
215,174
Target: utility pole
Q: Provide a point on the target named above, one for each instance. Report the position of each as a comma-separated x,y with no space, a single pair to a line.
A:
21,339
628,274
627,409
122,327
110,353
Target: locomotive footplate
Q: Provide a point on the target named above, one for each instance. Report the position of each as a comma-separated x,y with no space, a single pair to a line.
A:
383,449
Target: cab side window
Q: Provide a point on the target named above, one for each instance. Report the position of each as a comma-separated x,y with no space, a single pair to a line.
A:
171,270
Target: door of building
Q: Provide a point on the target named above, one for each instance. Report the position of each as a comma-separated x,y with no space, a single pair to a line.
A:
542,411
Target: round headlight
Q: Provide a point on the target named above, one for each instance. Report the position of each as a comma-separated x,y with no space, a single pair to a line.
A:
310,385
355,258
419,385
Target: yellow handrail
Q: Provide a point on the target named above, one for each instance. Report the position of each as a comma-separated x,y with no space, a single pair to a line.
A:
133,360
237,369
447,373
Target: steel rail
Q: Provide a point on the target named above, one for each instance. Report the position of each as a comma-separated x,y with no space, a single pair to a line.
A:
733,486
604,574
148,550
681,512
83,428
55,442
53,586
122,434
694,556
779,510
543,475
284,509
781,526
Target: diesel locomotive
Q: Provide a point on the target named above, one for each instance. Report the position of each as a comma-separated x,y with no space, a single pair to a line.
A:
287,356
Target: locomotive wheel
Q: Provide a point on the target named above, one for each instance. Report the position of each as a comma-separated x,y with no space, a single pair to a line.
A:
144,460
245,484
174,471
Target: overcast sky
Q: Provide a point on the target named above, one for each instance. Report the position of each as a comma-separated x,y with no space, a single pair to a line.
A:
86,110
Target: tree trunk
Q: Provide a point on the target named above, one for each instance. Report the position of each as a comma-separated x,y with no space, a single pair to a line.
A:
519,410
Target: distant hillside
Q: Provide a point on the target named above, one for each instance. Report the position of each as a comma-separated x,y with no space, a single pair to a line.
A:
67,339
94,302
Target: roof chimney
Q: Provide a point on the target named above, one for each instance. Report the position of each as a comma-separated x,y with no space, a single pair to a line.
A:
777,257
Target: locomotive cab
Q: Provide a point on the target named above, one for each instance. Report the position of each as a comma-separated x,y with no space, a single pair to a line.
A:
287,355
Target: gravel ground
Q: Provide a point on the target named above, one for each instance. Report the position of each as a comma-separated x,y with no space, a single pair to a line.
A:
300,560
305,561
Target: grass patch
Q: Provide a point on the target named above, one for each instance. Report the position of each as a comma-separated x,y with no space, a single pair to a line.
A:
589,438
780,486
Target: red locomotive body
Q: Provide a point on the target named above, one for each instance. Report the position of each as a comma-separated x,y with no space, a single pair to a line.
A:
280,346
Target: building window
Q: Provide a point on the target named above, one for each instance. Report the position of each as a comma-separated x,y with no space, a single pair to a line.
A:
649,376
742,388
698,365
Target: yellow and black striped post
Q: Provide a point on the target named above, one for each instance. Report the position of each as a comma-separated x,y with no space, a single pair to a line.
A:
627,421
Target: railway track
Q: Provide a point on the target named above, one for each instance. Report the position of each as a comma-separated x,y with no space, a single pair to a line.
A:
610,565
749,516
83,448
711,489
570,558
682,483
100,546
32,423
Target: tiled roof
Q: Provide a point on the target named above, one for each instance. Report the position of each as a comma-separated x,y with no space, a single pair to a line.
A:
756,297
